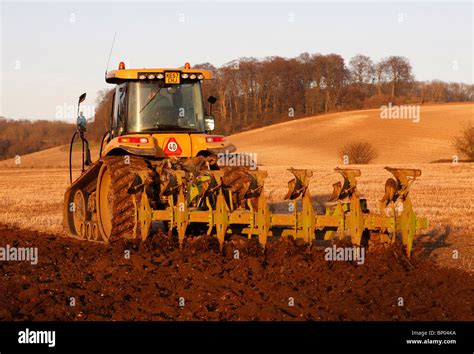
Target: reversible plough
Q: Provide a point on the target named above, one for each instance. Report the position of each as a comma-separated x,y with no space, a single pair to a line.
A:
206,200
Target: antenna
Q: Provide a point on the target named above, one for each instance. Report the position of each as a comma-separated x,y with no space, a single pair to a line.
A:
110,53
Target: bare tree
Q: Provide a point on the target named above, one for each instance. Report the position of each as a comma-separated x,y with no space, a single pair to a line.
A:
361,69
380,70
398,71
335,75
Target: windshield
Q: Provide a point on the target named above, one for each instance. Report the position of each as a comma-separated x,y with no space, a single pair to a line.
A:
155,106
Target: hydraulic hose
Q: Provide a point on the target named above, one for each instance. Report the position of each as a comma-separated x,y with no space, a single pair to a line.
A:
70,157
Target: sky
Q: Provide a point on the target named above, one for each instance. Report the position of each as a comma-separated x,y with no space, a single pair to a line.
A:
51,52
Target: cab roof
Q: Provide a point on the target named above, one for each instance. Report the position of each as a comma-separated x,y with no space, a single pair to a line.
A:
122,75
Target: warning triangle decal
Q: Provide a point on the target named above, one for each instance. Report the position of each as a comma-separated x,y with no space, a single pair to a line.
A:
172,148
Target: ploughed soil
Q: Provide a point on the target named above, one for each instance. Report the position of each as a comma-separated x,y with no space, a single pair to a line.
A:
159,281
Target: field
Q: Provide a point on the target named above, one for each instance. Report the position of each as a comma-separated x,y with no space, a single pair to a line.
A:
447,203
317,140
160,282
31,203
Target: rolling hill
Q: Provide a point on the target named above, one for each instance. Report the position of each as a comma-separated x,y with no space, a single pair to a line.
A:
317,140
56,157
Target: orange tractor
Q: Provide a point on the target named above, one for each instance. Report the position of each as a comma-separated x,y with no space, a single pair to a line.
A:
159,162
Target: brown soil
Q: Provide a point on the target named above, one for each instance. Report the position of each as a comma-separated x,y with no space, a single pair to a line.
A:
148,286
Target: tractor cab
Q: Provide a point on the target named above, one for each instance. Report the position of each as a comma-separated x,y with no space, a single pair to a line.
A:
161,112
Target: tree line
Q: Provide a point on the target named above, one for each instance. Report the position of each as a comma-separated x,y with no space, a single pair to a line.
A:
254,93
20,137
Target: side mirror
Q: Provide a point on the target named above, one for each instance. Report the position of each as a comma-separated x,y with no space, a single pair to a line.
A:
209,123
211,100
82,98
81,120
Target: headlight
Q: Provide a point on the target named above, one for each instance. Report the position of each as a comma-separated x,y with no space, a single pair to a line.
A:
160,76
142,77
184,76
192,76
200,76
151,76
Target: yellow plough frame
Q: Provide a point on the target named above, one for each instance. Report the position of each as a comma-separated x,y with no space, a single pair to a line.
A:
345,212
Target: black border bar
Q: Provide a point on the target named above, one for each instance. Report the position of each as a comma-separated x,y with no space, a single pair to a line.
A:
239,336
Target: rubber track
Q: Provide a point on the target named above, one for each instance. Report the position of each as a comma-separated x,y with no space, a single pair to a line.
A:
122,176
